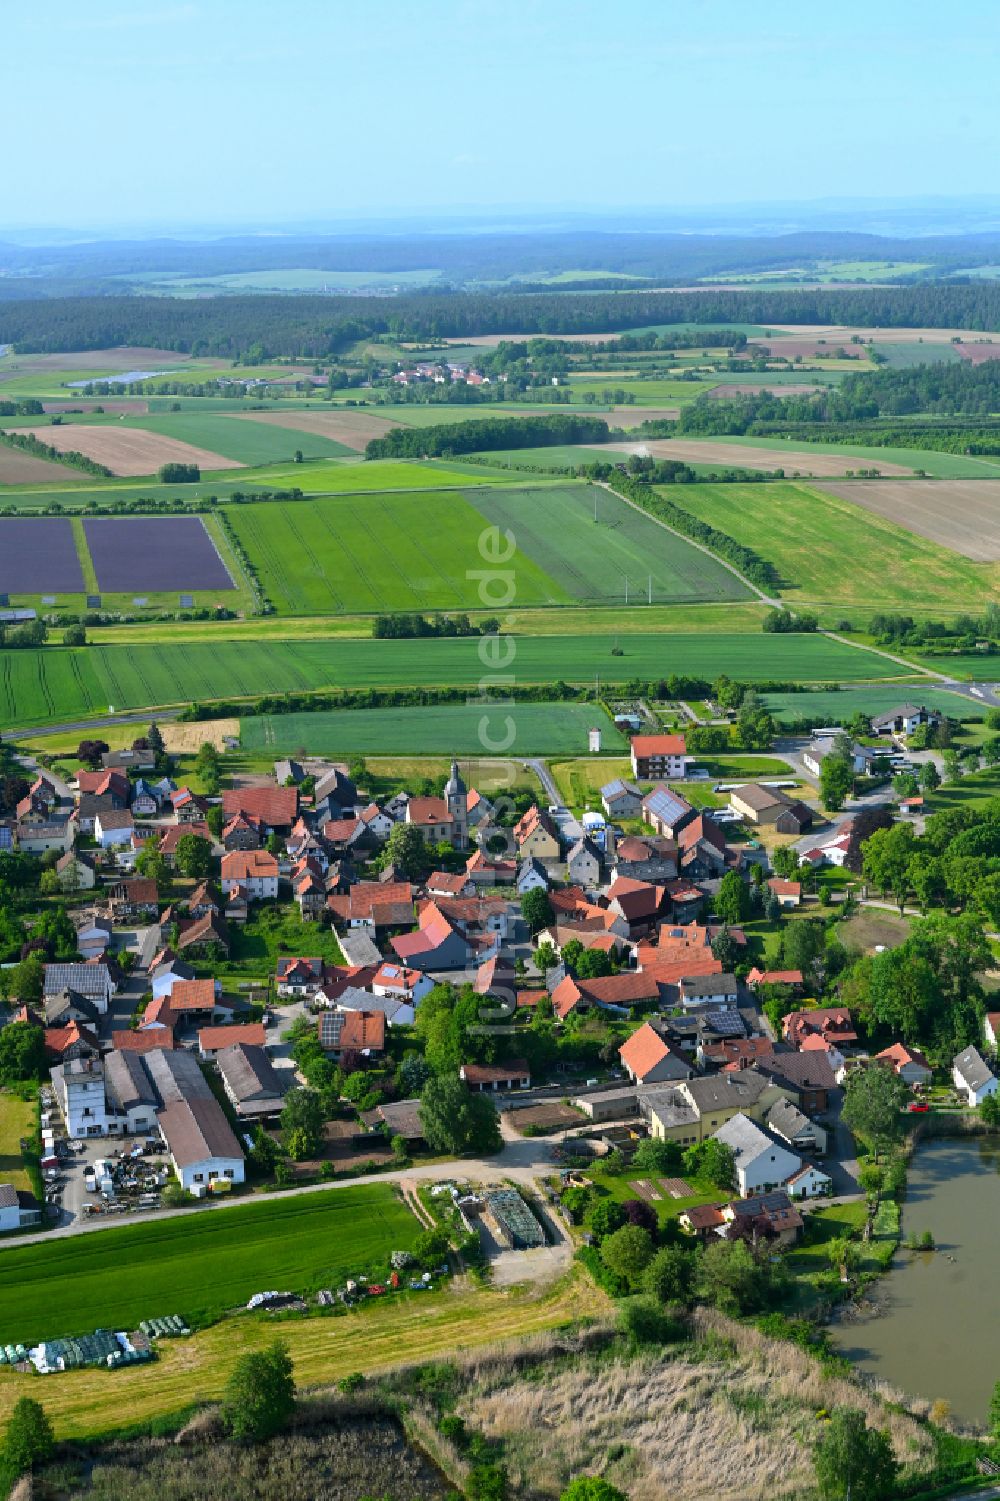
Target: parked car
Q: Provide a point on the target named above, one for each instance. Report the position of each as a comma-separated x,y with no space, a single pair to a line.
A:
918,1107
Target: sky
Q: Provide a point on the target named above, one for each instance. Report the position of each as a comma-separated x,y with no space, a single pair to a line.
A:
266,112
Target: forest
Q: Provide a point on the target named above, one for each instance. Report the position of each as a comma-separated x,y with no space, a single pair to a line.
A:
257,329
552,430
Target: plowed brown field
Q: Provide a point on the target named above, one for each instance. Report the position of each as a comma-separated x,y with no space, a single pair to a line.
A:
355,429
745,456
129,450
17,468
962,514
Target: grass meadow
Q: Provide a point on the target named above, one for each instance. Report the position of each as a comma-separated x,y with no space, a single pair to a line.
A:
377,553
935,465
250,443
198,1265
55,684
598,561
831,552
434,729
838,706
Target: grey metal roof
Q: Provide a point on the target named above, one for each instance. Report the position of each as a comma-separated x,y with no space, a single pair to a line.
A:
126,1082
726,1091
748,1140
709,984
8,1196
250,1074
973,1068
176,1076
89,980
197,1130
787,1120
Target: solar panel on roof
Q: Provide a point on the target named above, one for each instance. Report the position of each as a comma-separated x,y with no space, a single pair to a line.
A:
93,601
187,601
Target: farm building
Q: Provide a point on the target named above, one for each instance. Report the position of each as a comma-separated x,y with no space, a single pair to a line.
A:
609,1104
254,1087
768,806
201,1144
494,1078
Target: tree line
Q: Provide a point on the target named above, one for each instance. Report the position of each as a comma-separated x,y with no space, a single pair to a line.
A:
551,430
268,327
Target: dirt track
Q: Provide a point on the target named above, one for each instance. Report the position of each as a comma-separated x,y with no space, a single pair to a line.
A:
963,514
129,450
745,456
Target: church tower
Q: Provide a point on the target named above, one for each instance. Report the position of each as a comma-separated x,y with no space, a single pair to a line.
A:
456,795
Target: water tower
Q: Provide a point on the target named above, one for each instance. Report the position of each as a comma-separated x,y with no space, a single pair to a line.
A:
594,741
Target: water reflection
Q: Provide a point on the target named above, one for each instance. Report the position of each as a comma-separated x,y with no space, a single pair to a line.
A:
937,1336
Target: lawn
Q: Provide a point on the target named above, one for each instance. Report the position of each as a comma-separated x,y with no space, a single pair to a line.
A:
249,442
970,792
57,683
198,1265
834,707
618,1186
830,552
378,553
269,933
580,781
18,1119
973,666
602,560
436,729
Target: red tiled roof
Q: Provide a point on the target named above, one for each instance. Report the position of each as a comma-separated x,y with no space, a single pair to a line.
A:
785,888
641,1052
428,810
445,882
242,865
361,1030
495,1073
143,1042
211,1039
774,977
168,841
659,745
192,995
899,1054
58,1039
274,806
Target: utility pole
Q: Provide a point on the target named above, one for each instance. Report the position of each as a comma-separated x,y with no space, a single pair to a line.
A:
626,588
650,588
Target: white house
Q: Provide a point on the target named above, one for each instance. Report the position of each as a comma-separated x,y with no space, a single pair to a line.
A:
972,1077
531,876
991,1028
583,863
810,1182
113,827
762,1163
13,1216
167,975
401,984
79,1089
201,1144
254,872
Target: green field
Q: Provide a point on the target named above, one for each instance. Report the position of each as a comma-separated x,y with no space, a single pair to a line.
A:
649,391
831,552
198,1265
592,561
834,708
333,476
904,356
436,729
293,280
981,667
57,684
377,552
248,442
935,465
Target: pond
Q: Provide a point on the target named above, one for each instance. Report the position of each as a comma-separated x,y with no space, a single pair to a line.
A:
937,1335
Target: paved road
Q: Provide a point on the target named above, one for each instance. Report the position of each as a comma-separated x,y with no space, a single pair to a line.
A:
70,727
520,1160
543,774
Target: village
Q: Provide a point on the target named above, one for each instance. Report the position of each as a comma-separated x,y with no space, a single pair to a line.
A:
607,989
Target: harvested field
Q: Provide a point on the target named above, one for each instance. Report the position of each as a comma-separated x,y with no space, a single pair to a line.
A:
127,357
813,348
752,387
154,553
17,468
128,406
978,354
963,515
745,456
37,557
632,416
127,450
353,429
187,739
